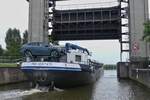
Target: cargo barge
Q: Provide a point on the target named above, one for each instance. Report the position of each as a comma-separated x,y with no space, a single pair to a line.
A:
59,66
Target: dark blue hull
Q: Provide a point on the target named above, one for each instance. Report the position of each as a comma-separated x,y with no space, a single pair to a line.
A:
64,78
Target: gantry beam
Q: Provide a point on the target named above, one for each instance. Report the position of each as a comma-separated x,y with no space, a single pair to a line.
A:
87,24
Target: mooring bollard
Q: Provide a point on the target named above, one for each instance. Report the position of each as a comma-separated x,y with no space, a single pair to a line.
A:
137,73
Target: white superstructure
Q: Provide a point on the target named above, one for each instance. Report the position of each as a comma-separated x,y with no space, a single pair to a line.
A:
77,56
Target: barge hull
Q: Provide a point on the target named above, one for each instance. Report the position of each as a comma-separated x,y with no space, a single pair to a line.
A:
63,79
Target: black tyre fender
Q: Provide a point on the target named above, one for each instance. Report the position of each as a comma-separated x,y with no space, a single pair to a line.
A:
32,84
92,69
54,53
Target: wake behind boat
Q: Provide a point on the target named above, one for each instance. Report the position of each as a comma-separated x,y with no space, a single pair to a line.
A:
59,66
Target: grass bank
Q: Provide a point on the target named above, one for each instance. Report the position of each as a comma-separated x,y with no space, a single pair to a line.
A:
8,65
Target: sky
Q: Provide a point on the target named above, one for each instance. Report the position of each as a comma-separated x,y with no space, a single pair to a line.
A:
14,14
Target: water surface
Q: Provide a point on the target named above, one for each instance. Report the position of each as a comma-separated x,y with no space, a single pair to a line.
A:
106,88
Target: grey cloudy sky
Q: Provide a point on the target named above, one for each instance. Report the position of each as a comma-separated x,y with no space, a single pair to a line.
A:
14,14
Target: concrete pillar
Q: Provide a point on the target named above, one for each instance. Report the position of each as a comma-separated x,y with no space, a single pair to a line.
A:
138,15
123,70
38,21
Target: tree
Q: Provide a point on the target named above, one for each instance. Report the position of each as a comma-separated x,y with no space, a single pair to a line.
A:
51,40
1,50
13,41
146,35
25,37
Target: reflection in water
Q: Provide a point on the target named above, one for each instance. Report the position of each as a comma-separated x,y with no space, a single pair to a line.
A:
106,88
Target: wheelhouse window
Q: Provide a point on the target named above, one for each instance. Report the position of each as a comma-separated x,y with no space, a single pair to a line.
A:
78,58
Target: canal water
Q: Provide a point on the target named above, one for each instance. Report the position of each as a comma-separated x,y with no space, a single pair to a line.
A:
106,88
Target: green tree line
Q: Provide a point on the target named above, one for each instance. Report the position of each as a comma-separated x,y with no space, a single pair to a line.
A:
110,67
13,42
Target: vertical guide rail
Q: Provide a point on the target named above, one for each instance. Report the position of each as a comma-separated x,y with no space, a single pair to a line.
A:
124,40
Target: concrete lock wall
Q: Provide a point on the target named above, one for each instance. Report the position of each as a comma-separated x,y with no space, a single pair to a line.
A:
140,50
141,76
138,16
11,75
127,70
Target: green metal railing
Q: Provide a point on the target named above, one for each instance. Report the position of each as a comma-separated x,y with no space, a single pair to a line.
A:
10,59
